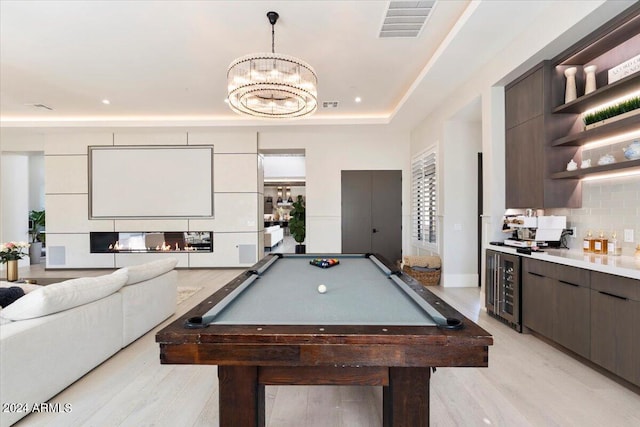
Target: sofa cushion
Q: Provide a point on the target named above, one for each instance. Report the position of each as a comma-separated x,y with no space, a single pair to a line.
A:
149,270
10,295
64,295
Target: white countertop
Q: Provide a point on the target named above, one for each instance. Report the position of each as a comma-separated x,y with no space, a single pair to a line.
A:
626,266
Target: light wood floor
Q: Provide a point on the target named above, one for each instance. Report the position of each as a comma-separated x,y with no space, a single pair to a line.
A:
528,383
287,246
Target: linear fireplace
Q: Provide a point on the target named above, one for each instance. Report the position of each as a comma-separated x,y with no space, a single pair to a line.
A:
146,242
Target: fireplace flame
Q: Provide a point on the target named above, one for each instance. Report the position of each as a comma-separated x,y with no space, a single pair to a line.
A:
164,247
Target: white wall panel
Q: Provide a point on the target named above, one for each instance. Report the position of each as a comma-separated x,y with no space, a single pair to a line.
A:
101,225
207,260
67,213
75,143
202,225
236,212
125,260
151,225
66,174
14,139
150,138
225,252
235,173
76,252
227,141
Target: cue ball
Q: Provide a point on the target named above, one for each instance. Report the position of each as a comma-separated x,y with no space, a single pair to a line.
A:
322,289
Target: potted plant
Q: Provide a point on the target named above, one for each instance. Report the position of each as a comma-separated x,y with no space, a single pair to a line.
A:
10,254
296,224
36,226
612,113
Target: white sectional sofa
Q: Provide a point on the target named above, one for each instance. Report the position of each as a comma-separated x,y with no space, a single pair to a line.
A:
55,334
273,235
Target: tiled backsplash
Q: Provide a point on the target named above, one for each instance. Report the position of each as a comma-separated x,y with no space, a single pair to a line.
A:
607,205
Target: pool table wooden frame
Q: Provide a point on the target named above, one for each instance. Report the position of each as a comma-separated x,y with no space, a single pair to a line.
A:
399,358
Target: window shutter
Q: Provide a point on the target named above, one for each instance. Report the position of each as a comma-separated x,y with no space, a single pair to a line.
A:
424,198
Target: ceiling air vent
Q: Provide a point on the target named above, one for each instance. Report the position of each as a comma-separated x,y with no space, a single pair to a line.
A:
45,107
330,104
406,18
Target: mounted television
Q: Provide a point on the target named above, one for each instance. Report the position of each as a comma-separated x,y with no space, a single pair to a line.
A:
150,182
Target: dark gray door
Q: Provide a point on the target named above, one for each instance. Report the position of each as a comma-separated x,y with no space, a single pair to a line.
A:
372,212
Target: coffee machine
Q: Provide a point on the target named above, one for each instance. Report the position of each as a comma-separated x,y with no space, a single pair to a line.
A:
535,231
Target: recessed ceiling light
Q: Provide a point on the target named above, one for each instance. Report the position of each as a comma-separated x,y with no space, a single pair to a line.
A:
358,99
106,102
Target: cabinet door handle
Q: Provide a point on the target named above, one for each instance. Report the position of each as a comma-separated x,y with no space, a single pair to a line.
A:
535,274
569,283
496,293
612,295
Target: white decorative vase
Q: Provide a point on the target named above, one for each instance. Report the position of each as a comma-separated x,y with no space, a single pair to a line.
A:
570,91
590,77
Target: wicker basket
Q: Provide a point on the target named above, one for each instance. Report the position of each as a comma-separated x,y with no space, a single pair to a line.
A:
427,278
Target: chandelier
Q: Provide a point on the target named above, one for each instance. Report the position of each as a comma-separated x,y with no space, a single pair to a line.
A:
271,84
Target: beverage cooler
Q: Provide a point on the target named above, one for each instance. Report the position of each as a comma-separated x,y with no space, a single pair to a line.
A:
503,288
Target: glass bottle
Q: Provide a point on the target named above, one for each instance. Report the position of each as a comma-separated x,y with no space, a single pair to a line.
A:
587,242
613,247
600,244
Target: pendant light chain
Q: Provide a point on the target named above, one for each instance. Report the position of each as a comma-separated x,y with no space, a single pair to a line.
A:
273,38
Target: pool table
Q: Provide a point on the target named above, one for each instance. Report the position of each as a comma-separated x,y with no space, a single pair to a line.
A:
373,326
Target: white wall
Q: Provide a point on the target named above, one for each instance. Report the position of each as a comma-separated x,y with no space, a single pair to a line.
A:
330,150
14,186
462,143
291,168
36,181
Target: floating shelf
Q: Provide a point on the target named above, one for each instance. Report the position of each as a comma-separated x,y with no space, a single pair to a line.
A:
604,131
601,95
627,165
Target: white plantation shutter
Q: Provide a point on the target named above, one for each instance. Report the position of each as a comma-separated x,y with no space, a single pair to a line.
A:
424,198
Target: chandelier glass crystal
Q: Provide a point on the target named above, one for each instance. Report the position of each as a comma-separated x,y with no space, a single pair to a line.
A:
272,85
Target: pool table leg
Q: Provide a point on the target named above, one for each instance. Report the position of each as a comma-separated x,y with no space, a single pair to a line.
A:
405,401
241,398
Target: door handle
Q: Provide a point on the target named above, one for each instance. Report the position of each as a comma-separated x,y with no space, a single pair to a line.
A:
375,230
